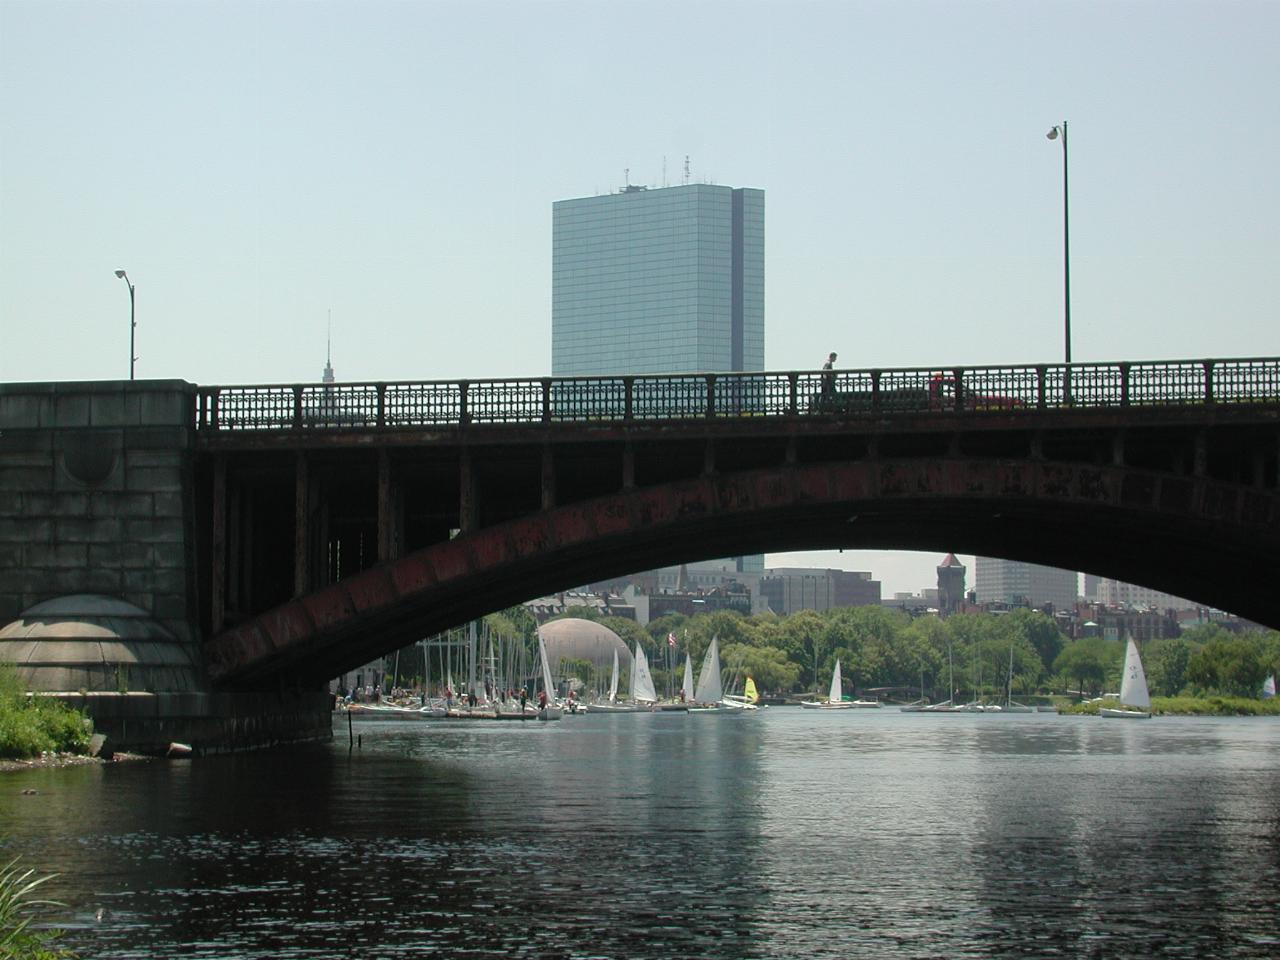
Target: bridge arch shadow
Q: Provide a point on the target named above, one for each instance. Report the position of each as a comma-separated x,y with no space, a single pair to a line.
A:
1192,536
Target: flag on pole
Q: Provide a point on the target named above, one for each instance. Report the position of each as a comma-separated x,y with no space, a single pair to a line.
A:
671,639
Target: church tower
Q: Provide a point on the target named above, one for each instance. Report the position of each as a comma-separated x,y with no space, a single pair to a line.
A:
950,585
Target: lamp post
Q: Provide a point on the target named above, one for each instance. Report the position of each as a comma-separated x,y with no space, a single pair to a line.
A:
133,325
1060,130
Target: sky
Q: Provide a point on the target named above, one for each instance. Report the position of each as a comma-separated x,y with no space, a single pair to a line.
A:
264,169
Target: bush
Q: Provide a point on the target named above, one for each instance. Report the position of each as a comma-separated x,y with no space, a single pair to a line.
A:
1190,706
30,726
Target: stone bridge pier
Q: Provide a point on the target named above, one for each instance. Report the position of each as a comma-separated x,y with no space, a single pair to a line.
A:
98,591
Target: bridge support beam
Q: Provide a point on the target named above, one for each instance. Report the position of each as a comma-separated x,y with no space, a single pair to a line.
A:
388,540
466,493
548,479
301,509
218,545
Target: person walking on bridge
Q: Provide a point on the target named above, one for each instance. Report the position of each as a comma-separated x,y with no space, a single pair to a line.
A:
829,374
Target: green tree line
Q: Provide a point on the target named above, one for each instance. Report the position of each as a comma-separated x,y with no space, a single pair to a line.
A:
967,656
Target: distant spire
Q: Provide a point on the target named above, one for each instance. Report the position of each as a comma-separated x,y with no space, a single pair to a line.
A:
328,352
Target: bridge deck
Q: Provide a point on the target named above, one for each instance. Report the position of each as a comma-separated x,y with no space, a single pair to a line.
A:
967,391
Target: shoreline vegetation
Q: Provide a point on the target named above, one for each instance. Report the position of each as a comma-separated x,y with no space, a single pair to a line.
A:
20,908
38,727
1188,707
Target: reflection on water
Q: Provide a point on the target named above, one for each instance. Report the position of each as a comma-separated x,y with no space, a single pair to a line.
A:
785,834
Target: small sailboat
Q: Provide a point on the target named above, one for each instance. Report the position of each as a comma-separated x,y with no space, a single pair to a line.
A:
749,699
552,710
709,693
1133,689
835,696
643,692
1269,687
1011,705
612,705
948,705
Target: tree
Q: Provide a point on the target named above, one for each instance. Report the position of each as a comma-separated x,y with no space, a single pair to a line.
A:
802,639
768,666
1040,632
924,643
629,631
1086,661
577,613
1229,665
667,624
1269,651
865,640
1165,662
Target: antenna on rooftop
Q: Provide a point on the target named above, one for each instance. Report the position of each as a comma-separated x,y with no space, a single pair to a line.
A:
686,169
328,351
664,169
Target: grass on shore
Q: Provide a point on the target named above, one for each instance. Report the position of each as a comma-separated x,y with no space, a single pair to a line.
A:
30,726
18,907
1191,707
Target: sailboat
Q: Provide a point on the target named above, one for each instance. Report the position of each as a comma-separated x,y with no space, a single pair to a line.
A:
1011,705
552,710
614,705
749,699
1133,689
686,688
642,689
835,696
707,696
949,704
1269,687
750,694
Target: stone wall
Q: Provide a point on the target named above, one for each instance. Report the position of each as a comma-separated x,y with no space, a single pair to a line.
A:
95,496
207,722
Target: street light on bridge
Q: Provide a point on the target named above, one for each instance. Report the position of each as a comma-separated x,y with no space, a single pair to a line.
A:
133,325
1060,130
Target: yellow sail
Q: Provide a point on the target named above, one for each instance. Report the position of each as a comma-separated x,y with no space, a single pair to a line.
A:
749,691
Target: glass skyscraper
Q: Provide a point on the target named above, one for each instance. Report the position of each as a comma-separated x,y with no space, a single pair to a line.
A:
667,280
1012,581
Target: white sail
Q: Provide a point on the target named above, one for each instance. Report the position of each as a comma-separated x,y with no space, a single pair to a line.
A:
613,679
1269,687
642,689
1133,687
836,694
686,688
709,689
547,685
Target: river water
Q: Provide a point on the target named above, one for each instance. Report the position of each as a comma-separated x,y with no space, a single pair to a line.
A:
787,833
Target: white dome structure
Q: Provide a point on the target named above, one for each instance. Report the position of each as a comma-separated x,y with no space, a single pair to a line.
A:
575,639
97,644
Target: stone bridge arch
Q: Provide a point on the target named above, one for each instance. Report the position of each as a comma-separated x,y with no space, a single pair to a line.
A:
1207,539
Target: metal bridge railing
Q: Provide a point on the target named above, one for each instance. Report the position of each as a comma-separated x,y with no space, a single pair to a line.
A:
967,391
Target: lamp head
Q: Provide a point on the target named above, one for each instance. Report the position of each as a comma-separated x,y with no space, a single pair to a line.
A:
120,274
1053,133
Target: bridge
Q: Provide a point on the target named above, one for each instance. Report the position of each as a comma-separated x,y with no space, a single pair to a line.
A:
337,522
283,534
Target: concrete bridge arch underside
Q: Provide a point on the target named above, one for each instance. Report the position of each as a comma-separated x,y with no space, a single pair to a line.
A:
1179,530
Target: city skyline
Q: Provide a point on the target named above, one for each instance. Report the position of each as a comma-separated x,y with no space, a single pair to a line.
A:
394,165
